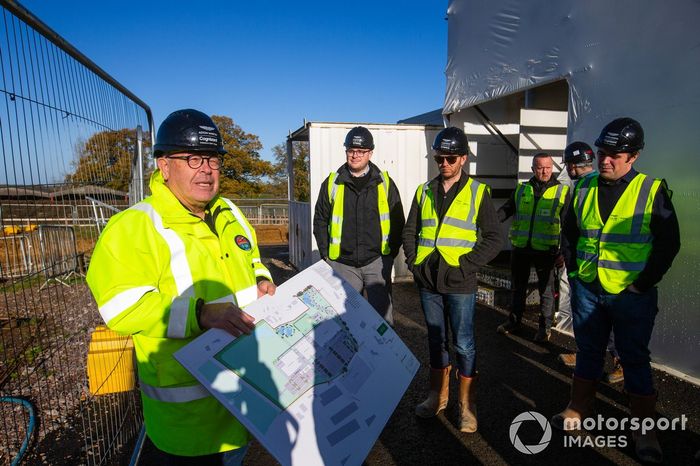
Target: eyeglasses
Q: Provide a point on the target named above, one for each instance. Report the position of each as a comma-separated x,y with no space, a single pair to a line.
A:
451,159
196,161
358,152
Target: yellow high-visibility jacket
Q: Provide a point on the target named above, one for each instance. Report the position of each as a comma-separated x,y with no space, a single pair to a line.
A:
615,251
151,264
540,226
457,234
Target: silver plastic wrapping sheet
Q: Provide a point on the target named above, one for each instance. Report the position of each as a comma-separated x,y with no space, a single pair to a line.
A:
637,58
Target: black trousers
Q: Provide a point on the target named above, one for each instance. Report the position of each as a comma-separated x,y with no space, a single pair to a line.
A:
522,260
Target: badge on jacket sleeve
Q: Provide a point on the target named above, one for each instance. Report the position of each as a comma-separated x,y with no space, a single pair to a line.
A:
242,242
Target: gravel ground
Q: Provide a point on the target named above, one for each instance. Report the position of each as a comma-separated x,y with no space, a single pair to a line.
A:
515,375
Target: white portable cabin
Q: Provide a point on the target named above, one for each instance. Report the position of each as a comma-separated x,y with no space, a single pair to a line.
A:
401,149
514,65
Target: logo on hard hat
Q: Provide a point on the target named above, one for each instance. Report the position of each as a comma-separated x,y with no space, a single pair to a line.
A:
611,139
243,242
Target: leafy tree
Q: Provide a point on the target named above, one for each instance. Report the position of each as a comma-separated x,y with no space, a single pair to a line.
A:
105,159
300,158
244,171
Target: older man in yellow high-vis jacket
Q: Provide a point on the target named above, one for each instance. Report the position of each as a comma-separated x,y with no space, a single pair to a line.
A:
182,261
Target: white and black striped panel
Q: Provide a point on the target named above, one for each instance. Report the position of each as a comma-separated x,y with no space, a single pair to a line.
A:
540,131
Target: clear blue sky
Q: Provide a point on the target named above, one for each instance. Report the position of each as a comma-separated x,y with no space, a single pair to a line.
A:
266,64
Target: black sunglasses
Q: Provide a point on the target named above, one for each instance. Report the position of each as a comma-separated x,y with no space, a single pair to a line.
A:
451,159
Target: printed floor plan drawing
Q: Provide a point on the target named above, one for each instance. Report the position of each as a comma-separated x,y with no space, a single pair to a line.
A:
288,351
310,382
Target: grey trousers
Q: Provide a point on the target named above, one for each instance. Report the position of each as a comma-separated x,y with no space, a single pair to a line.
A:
374,279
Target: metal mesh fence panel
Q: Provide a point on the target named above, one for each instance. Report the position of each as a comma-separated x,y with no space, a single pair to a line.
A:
72,145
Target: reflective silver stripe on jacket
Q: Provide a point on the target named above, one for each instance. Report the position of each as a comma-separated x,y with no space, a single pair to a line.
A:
586,256
625,238
423,194
582,192
429,243
246,295
174,394
544,236
589,233
242,220
626,266
180,269
459,223
454,242
638,217
555,205
123,301
334,186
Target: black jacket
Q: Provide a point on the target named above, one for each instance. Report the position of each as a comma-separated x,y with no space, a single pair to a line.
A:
361,239
665,232
434,273
509,208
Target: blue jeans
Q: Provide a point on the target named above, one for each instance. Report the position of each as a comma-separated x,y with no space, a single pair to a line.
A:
630,316
459,310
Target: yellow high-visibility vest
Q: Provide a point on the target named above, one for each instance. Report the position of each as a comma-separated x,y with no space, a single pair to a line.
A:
615,251
457,234
542,227
336,195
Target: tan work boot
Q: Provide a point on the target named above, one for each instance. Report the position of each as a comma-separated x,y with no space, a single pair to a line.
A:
617,374
580,407
646,445
438,394
467,404
569,359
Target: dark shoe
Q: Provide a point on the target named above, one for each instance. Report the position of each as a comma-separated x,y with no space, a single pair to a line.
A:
510,326
646,445
543,335
617,375
580,407
569,359
438,394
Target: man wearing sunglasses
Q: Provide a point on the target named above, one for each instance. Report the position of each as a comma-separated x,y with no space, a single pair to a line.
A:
358,220
538,207
451,231
182,261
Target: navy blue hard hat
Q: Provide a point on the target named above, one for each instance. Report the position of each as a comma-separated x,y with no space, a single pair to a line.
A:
359,138
188,130
451,141
621,135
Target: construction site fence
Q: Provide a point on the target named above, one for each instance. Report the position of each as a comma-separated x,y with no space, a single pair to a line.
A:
74,146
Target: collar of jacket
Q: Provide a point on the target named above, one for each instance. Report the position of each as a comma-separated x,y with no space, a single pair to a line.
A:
344,174
172,208
625,179
540,187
